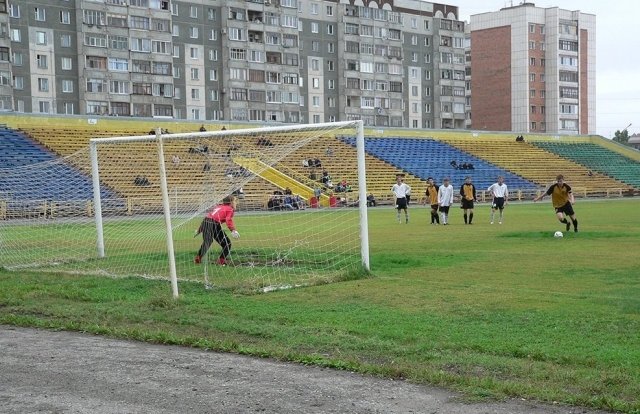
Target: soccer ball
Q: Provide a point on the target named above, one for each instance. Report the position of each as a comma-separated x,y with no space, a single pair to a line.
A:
558,234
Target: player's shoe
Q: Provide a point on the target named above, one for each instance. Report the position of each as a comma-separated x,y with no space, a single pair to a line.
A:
221,261
491,222
197,260
406,221
499,222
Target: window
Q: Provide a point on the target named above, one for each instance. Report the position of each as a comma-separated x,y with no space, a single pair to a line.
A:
65,40
532,77
119,64
68,108
41,38
160,47
43,84
329,10
17,58
532,61
532,28
315,101
140,22
193,12
40,14
235,33
66,63
532,45
314,27
140,45
14,10
16,35
65,17
195,74
314,8
331,84
18,82
195,94
534,126
330,29
534,109
193,32
213,74
41,61
331,65
67,86
567,92
315,64
568,45
44,107
532,93
175,30
95,40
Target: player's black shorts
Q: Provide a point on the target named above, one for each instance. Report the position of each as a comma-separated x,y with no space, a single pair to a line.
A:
566,209
401,203
498,203
444,209
467,204
434,207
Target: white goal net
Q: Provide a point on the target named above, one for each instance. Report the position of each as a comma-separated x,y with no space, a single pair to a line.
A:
298,215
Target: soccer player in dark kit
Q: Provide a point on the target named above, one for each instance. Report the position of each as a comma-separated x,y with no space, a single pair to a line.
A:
562,200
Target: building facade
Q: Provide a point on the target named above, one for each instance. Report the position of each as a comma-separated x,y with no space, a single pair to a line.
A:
533,70
394,63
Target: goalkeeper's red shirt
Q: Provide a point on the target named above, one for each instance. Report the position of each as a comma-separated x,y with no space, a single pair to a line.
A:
223,214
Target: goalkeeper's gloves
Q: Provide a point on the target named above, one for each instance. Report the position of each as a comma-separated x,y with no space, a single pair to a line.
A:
235,234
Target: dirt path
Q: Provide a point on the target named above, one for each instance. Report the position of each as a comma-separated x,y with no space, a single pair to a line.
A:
66,372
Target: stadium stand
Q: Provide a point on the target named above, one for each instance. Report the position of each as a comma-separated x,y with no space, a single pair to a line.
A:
598,160
538,165
46,188
430,158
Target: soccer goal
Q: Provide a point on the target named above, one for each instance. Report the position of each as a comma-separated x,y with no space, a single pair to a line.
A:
131,205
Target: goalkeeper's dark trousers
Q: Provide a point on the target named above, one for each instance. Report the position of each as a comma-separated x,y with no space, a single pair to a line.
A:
212,230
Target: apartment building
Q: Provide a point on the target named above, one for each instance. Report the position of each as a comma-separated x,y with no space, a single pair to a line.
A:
533,70
291,61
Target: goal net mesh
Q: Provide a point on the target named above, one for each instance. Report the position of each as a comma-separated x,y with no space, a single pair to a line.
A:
297,194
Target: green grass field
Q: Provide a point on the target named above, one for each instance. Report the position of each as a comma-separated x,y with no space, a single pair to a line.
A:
493,311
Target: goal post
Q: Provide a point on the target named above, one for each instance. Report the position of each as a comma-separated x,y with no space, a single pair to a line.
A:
299,216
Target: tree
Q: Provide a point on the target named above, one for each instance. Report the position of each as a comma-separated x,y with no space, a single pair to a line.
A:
622,137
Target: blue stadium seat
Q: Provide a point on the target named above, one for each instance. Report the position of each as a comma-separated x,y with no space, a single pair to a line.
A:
430,158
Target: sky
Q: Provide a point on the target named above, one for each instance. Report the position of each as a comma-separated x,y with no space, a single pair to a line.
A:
617,55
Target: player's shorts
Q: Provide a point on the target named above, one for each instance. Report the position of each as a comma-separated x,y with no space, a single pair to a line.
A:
467,204
444,209
566,209
498,203
401,203
434,207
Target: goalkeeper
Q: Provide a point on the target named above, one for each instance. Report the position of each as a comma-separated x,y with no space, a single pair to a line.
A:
211,229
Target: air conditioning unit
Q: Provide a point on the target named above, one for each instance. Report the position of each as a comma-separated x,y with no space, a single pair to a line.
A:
223,31
267,2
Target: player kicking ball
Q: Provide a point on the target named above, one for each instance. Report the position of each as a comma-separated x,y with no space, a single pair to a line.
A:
211,229
562,200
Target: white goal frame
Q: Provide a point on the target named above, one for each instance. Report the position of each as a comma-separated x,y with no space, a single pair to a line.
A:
94,144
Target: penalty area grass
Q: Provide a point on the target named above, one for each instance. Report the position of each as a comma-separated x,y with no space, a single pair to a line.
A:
493,311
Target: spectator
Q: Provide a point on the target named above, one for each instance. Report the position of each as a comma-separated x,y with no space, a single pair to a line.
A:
317,163
152,132
223,128
202,128
454,164
329,152
326,179
305,163
313,176
371,200
470,166
519,138
287,191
